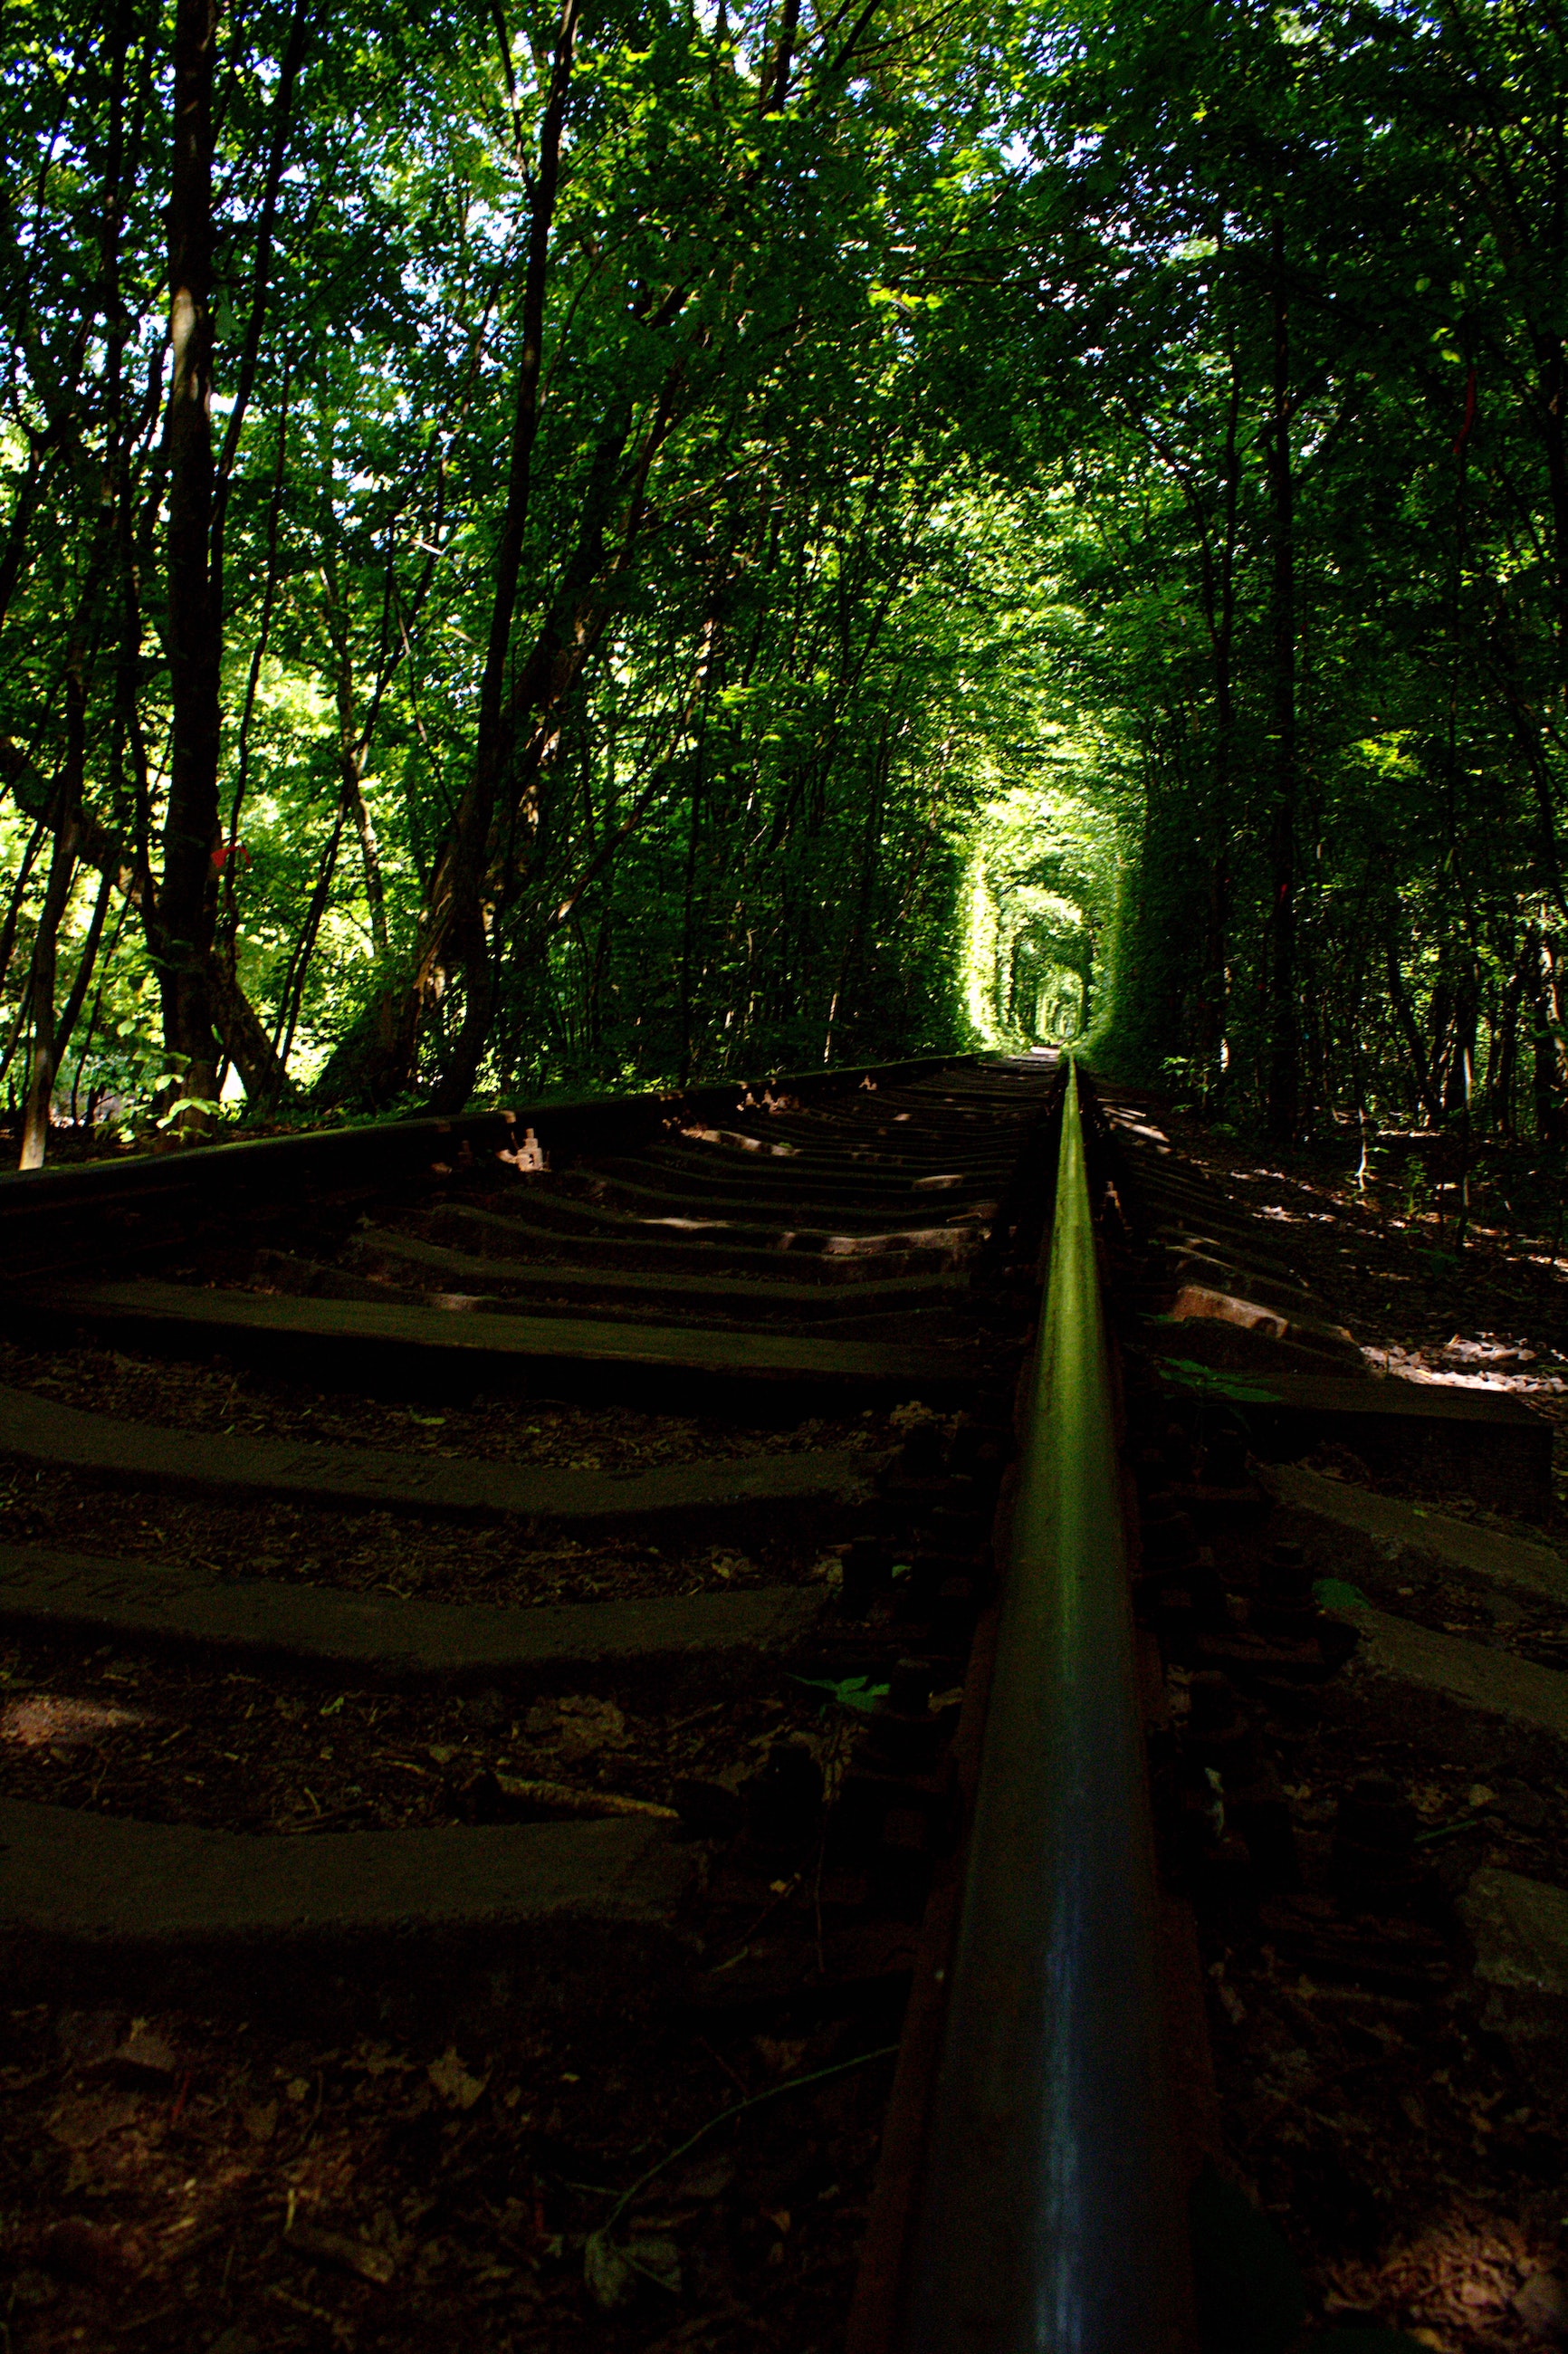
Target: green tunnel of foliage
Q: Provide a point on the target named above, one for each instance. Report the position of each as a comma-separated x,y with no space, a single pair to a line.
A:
1037,520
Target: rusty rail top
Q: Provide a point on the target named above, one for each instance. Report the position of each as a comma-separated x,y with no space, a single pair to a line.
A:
1050,2216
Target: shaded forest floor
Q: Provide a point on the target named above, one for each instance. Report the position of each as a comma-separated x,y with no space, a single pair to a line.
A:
1412,2155
1489,1313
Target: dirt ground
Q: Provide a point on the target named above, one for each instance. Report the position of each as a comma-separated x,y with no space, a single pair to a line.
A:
1412,2154
248,1403
192,2182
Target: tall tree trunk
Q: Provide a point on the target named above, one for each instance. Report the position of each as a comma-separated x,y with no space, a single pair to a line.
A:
266,223
1547,1070
1405,1015
187,897
1502,1061
253,680
102,965
1284,1106
1216,944
1551,402
28,494
350,751
18,894
462,917
773,83
85,965
860,921
57,896
291,996
1460,1076
688,915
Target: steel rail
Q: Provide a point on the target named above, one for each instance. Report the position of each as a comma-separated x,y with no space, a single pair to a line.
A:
1050,2219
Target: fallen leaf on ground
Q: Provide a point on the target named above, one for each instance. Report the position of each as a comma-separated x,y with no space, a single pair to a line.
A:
91,2251
778,2056
378,2060
452,2080
79,2123
144,2048
587,1724
341,2331
49,1718
708,2180
376,2264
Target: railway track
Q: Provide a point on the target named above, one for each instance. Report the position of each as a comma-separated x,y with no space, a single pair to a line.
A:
488,1609
576,1755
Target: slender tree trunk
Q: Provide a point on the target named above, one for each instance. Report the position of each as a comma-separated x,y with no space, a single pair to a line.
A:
294,989
1216,946
1284,1106
18,894
102,965
462,918
1502,1062
57,897
1405,1015
706,670
28,494
860,921
774,83
41,1073
86,961
258,656
349,751
1460,1076
1551,400
1547,1072
50,1037
188,900
266,223
1440,1029
688,917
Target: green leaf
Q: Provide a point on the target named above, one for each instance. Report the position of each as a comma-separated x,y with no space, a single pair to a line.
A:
1338,1593
176,1110
1188,1375
607,2276
657,2260
1446,1831
855,1692
609,2273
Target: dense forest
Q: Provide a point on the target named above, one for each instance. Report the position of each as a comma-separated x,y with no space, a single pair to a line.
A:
562,550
